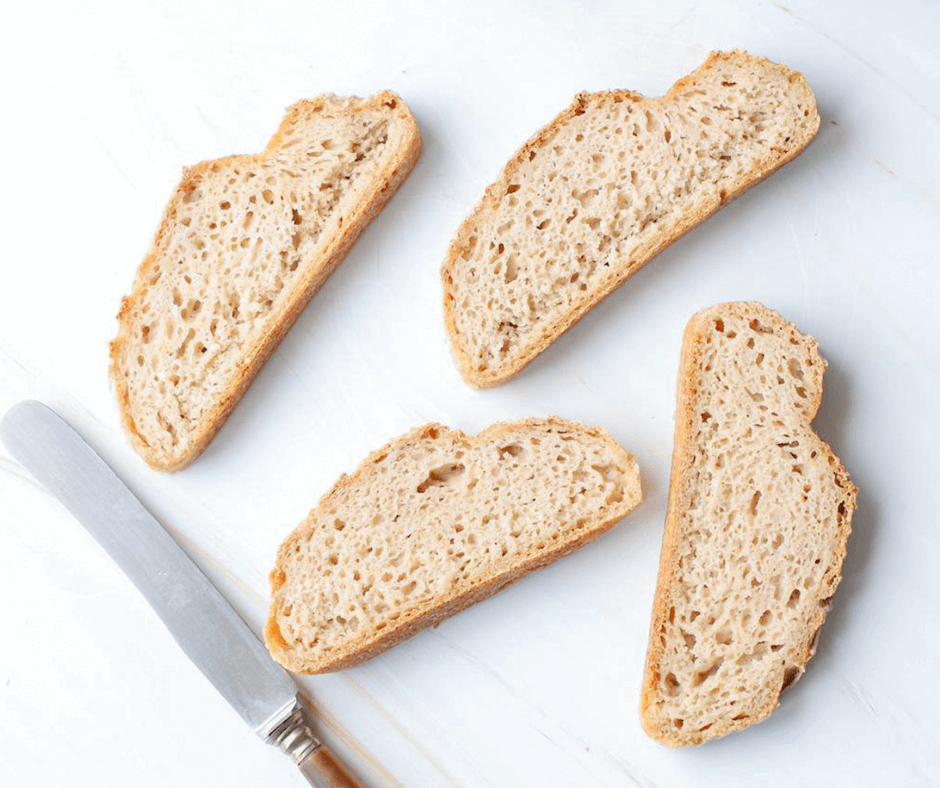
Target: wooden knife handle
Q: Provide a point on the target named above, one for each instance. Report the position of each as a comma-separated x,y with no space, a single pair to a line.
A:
323,770
294,735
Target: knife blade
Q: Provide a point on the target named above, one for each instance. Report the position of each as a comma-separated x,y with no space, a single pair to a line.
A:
200,619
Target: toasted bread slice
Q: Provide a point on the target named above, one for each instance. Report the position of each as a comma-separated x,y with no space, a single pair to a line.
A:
434,522
245,242
597,193
759,514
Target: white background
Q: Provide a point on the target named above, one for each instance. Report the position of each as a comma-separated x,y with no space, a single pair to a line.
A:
103,105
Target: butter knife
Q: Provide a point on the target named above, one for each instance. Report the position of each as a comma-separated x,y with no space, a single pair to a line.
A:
201,620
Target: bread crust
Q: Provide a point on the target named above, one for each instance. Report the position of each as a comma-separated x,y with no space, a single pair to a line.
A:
373,643
300,293
693,344
645,253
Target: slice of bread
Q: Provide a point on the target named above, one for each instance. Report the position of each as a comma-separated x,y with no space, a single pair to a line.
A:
597,193
759,513
245,242
432,523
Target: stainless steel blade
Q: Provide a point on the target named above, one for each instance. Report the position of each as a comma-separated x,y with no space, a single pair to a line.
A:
205,625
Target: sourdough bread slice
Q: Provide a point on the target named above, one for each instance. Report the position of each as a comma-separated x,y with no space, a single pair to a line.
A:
245,242
434,522
596,194
759,514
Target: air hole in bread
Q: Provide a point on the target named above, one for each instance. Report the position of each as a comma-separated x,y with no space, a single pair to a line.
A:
758,327
757,653
790,675
441,476
701,676
671,684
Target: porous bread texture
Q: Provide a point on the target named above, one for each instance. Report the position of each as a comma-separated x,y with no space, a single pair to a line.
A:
759,514
595,195
245,242
434,522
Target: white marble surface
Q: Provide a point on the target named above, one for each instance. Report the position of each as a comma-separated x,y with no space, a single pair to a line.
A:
104,102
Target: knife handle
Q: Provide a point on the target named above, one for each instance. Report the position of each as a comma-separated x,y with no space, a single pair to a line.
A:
321,768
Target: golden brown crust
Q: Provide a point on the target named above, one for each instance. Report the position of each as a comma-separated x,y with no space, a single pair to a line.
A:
681,475
372,644
642,255
253,360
